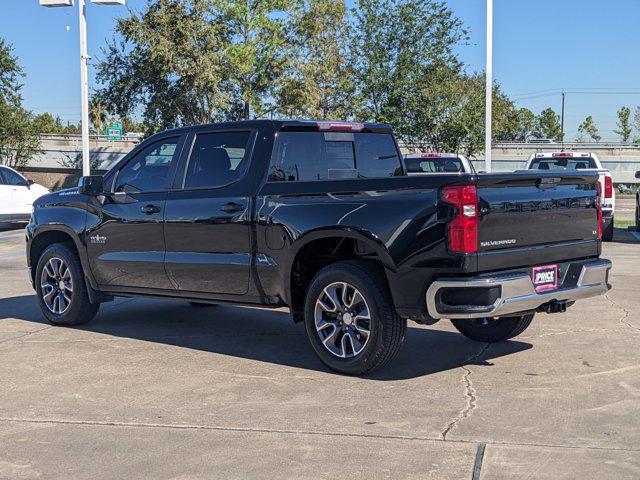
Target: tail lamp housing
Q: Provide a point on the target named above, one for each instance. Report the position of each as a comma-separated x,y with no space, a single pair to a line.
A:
608,187
599,208
463,229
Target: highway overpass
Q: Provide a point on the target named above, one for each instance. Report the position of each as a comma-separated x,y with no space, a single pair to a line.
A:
622,159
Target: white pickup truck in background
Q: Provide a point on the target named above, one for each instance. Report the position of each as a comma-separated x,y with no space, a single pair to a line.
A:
582,161
420,163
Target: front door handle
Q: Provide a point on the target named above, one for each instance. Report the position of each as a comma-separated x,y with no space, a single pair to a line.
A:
232,207
150,209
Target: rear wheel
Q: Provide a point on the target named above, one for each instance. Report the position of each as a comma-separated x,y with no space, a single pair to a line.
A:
607,233
350,318
493,329
61,289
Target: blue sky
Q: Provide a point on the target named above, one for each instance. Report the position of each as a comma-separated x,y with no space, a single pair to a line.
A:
541,46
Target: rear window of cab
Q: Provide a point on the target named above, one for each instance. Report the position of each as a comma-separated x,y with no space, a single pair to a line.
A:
575,163
314,156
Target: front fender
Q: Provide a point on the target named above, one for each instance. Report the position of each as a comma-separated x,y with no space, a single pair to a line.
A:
47,218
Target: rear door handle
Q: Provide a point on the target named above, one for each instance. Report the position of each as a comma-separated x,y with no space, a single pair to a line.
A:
150,209
232,207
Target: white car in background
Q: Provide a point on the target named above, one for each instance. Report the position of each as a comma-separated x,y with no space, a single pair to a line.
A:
582,161
426,163
17,195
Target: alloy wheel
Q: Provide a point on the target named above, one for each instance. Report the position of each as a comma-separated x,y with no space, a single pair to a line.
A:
342,319
56,286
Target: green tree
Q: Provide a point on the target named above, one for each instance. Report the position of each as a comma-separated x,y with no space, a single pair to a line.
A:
624,124
395,46
636,123
10,75
318,83
406,72
98,113
258,53
19,140
170,62
588,128
526,124
47,123
548,125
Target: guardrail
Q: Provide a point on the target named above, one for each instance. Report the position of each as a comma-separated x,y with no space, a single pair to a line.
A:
92,138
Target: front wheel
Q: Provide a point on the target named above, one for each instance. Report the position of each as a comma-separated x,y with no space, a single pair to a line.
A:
350,318
493,329
61,289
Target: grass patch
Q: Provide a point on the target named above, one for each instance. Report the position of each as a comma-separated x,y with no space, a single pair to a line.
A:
623,223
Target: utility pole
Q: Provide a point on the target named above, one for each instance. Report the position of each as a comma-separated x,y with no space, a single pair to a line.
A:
489,89
84,59
562,118
84,86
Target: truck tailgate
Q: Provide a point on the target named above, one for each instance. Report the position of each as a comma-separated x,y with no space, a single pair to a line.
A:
533,218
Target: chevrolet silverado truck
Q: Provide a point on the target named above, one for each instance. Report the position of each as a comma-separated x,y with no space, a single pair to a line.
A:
319,217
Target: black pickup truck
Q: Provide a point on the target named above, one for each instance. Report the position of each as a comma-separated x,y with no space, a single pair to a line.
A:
320,217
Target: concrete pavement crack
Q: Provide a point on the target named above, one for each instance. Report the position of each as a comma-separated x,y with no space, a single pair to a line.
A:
623,319
220,428
470,393
20,337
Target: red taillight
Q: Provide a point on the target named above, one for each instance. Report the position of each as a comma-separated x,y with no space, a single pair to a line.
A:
430,155
599,208
463,229
608,187
563,155
340,126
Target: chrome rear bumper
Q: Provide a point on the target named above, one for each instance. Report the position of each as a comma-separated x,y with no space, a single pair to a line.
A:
517,293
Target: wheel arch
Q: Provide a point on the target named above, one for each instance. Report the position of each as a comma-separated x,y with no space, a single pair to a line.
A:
329,245
46,235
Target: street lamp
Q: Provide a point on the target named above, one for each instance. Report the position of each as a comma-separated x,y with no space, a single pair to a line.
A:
84,58
489,88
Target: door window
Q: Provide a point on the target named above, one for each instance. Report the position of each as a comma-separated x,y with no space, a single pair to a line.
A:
217,159
149,169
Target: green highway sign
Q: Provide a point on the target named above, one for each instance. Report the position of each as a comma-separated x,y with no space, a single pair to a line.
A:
114,132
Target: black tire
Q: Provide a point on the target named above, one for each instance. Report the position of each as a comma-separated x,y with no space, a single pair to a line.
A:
202,305
493,329
386,329
80,309
607,233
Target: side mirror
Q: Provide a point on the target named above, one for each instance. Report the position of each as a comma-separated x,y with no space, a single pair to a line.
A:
29,183
638,174
91,185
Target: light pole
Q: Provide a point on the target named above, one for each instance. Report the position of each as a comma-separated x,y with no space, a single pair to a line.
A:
489,89
84,74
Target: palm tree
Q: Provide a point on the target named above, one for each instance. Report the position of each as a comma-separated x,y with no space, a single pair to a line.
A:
97,113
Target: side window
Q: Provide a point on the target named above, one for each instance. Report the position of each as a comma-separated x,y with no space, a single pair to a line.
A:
217,159
11,178
311,156
297,156
377,156
149,169
2,180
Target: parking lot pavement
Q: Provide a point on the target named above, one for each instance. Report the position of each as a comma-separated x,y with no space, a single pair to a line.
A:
158,389
626,207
